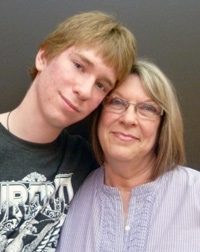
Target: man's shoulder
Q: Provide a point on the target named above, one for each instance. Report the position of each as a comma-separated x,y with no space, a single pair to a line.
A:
78,153
73,140
3,118
76,145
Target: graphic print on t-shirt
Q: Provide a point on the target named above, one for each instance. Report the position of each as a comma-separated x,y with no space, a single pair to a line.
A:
32,212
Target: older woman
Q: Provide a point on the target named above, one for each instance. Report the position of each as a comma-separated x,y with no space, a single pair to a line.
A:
141,199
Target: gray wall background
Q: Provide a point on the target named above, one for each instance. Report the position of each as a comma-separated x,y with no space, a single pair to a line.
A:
167,32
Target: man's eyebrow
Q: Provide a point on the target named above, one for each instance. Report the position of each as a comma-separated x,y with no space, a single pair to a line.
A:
85,59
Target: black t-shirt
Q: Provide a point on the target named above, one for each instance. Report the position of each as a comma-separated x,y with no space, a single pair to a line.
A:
37,182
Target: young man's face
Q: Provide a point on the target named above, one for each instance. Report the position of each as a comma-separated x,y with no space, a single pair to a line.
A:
71,85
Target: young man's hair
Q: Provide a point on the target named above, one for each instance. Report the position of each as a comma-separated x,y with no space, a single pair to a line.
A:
96,30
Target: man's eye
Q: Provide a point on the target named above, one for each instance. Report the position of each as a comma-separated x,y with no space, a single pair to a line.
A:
100,86
77,65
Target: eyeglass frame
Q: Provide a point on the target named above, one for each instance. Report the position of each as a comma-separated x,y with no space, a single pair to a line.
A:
127,104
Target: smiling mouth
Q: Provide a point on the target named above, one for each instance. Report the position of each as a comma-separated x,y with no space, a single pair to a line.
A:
125,137
73,107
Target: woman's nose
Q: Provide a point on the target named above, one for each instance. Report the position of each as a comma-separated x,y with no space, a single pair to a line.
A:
129,116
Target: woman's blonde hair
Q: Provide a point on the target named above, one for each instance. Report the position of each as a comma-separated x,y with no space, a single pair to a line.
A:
96,30
169,149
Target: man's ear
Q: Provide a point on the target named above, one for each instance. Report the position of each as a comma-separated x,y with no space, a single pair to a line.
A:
40,60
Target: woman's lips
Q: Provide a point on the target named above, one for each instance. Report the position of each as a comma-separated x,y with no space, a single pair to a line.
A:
124,137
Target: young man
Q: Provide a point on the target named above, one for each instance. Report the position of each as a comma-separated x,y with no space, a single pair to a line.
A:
41,165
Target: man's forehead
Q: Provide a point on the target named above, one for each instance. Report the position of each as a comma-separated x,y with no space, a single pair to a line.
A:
93,57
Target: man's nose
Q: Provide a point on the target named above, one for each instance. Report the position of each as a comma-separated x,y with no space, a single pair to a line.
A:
84,88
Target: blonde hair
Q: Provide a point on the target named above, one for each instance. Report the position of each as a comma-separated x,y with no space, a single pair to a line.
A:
169,149
100,31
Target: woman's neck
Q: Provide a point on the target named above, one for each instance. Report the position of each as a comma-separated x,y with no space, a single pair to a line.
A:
127,176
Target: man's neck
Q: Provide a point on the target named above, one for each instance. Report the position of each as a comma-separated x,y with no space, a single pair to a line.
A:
30,127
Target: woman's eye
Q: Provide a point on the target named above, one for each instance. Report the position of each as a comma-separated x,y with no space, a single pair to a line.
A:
117,102
148,107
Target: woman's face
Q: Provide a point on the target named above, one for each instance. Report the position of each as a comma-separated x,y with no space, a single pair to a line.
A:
128,136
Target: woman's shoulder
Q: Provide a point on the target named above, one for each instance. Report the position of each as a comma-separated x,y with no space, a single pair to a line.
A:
188,170
187,175
90,187
95,177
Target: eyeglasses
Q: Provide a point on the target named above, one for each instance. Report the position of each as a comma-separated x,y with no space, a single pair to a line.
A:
142,109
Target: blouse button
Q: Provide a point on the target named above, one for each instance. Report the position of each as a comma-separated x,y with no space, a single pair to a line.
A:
127,228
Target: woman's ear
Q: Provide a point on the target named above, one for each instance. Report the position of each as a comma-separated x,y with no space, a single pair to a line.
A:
40,60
